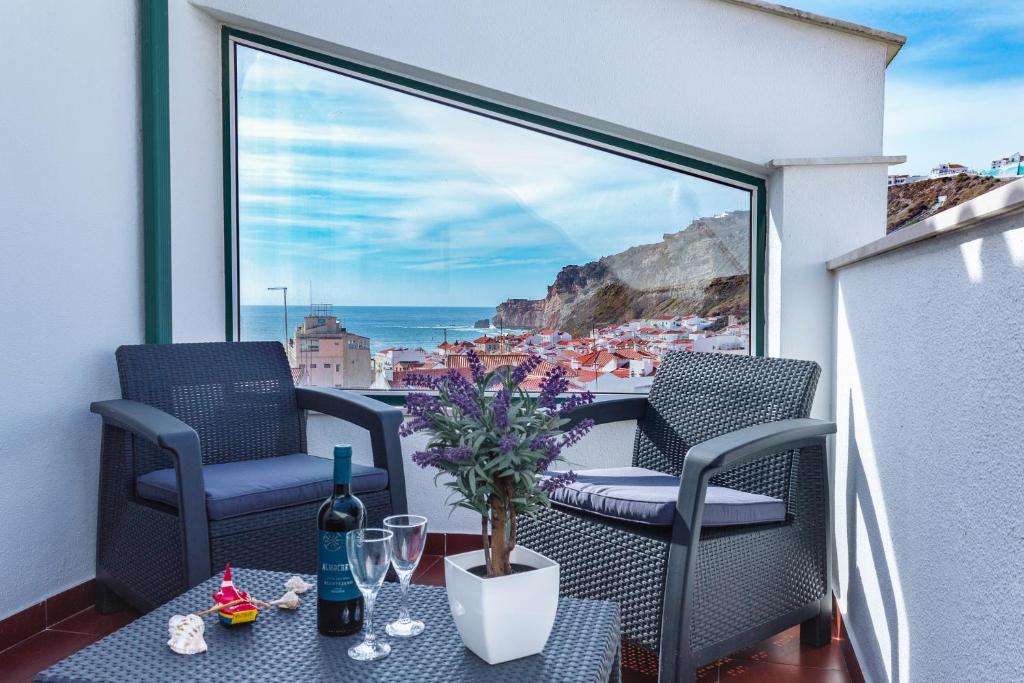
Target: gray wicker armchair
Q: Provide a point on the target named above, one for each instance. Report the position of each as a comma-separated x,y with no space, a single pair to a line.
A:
204,462
691,593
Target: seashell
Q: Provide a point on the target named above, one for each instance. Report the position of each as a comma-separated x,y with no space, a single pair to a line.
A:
186,634
287,601
297,585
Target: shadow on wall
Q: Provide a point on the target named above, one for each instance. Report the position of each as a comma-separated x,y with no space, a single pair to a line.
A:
859,499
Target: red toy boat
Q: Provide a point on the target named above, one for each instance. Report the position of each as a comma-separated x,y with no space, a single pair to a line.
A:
243,612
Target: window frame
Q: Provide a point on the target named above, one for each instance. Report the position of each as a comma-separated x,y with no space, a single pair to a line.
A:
642,152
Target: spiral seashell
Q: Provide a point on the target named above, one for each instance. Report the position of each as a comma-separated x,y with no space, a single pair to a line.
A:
297,585
287,601
186,633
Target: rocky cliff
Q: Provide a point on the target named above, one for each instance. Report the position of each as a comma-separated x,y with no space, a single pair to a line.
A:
914,202
702,269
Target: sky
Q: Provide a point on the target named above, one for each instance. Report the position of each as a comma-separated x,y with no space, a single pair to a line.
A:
380,198
955,92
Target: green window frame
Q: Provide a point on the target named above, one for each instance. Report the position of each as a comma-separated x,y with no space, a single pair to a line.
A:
512,115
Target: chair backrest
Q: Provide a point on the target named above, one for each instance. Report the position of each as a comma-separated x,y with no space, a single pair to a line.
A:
238,396
698,396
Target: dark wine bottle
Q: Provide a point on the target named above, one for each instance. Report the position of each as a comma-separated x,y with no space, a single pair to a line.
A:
339,604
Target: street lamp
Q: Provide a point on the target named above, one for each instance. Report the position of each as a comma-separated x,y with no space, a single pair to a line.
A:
285,291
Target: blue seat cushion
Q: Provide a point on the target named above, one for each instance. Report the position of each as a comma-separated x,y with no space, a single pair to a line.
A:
635,494
241,488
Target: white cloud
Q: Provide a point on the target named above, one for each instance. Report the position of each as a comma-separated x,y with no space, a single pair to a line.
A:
971,124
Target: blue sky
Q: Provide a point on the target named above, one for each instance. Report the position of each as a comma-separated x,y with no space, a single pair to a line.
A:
955,92
381,198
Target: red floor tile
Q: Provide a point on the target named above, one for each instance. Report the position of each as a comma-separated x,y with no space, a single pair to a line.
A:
26,659
462,543
71,601
430,574
785,648
91,622
435,543
22,625
743,671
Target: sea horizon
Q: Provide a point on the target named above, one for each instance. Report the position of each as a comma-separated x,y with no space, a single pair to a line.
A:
386,326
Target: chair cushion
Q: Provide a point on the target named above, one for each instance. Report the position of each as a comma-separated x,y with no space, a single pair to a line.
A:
241,488
635,494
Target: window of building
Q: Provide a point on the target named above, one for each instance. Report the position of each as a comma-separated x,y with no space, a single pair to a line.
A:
426,223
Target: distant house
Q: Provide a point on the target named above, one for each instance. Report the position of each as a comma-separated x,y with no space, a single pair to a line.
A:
945,170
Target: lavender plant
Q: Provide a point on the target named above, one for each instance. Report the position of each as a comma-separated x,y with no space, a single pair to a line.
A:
496,442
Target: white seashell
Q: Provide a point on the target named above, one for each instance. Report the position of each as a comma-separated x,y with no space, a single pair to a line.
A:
287,601
297,585
186,634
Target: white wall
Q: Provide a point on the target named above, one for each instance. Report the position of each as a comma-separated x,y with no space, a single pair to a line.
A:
929,467
70,275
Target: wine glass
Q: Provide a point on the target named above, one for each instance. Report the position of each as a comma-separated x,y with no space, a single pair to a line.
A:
369,554
409,538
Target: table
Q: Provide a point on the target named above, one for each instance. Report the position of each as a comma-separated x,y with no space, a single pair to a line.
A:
284,645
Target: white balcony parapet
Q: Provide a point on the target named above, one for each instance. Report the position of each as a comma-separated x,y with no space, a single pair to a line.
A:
990,205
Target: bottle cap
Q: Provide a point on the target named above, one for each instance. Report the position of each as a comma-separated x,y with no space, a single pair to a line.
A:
343,450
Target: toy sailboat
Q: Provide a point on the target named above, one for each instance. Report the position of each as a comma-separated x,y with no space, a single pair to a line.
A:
241,613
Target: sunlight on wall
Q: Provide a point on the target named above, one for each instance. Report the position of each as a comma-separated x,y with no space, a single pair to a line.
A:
971,252
1014,240
872,544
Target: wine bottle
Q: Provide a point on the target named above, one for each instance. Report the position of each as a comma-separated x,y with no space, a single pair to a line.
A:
339,604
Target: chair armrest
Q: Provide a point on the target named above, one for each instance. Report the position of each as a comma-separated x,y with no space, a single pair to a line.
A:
604,410
743,445
182,442
378,418
723,452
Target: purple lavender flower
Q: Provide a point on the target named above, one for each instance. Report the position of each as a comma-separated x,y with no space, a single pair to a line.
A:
500,406
575,401
410,427
476,366
553,384
550,449
461,393
414,379
573,436
557,481
523,369
422,405
435,457
508,443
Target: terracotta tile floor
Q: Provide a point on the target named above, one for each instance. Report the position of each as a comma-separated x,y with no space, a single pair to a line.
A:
777,660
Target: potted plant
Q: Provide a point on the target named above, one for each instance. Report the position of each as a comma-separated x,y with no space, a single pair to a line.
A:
496,443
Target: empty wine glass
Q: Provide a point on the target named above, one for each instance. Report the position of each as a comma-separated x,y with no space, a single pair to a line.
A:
369,554
410,535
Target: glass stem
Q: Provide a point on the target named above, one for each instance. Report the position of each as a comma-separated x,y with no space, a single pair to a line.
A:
368,599
404,579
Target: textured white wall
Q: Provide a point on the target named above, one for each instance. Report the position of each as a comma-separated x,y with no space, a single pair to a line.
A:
70,275
929,466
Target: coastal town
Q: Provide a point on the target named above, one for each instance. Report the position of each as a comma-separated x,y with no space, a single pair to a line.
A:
618,358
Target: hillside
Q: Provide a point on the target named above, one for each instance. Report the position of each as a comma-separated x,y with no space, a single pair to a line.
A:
914,202
702,269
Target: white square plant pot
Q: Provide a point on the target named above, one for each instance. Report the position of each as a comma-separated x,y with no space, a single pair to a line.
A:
505,617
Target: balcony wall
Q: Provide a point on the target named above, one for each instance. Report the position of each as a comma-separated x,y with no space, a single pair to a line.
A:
71,275
929,467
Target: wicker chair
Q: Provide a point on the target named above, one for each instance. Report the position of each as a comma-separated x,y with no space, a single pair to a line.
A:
691,595
196,413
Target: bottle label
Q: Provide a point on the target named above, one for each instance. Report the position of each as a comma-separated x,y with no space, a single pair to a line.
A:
334,577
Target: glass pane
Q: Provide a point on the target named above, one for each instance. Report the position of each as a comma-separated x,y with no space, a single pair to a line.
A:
408,231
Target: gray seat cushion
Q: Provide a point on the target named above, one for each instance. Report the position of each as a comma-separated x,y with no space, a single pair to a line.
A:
241,488
635,494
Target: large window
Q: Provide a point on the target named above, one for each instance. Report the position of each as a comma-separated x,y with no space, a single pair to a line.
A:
409,228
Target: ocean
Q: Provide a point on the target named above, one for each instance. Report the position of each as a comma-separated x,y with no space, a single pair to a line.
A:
386,326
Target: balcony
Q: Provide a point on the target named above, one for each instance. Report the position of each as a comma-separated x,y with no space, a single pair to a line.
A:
606,189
